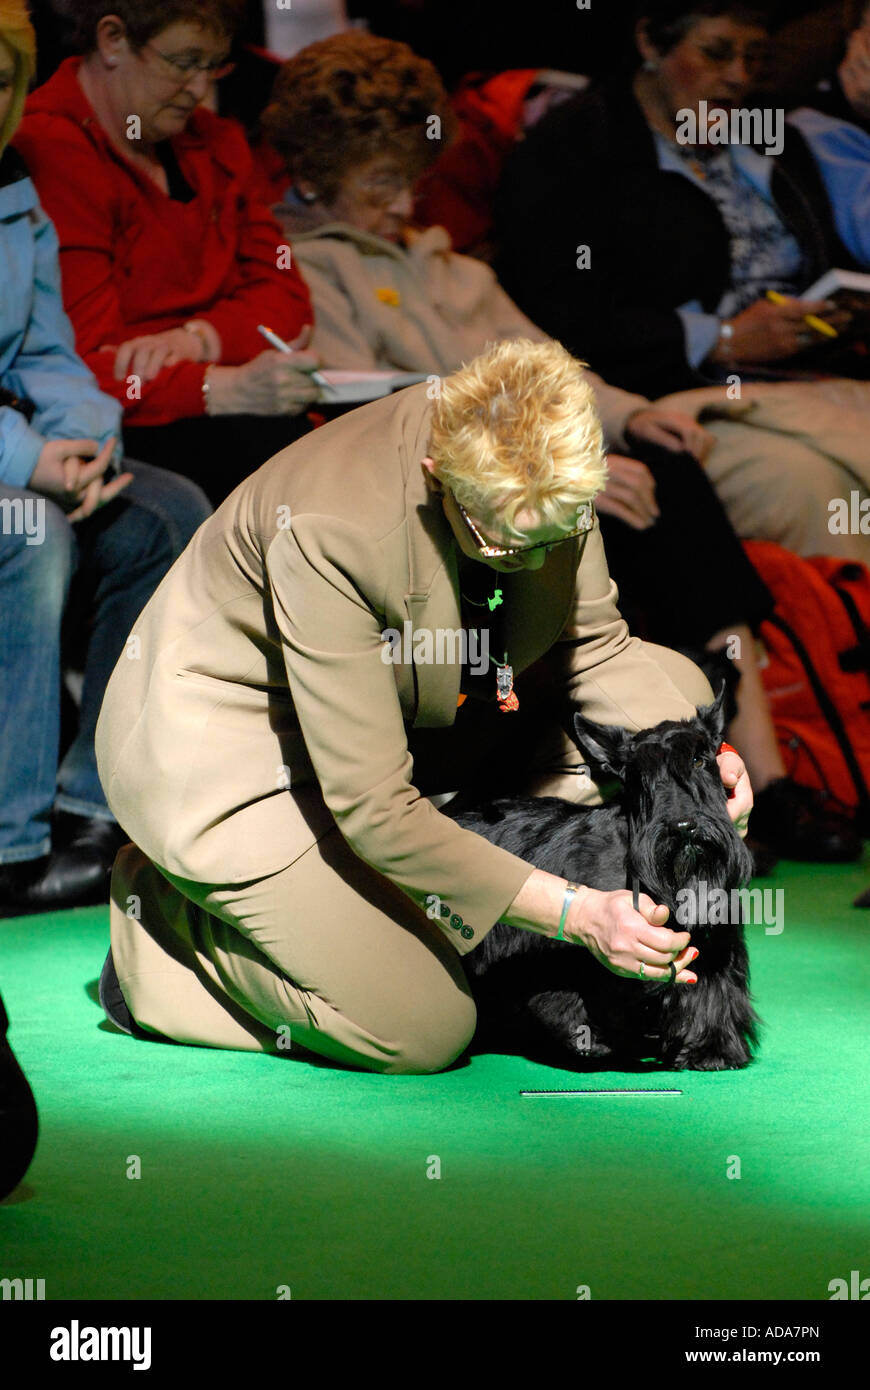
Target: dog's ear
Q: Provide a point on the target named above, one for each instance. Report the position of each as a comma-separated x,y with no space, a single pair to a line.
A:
713,717
603,744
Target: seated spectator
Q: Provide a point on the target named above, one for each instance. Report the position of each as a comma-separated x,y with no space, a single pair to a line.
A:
81,550
836,128
390,296
681,240
845,94
168,262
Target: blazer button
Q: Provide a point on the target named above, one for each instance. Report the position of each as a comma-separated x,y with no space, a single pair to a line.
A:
467,933
456,921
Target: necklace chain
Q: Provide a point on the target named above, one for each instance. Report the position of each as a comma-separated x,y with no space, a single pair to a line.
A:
485,604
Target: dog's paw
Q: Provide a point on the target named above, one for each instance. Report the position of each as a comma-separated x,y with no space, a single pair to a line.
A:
696,1063
584,1043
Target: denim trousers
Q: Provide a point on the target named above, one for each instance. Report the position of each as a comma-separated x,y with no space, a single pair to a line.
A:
71,593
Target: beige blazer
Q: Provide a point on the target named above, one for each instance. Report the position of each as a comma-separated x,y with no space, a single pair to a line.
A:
420,308
252,710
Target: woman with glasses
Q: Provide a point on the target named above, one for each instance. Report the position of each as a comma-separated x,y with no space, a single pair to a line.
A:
401,604
86,536
351,117
169,263
684,234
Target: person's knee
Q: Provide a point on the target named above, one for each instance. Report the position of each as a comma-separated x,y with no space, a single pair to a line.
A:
686,676
177,504
776,488
437,1047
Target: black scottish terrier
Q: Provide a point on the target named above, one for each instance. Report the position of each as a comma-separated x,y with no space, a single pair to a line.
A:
669,834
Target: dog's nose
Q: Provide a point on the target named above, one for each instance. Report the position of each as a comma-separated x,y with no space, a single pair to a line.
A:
687,829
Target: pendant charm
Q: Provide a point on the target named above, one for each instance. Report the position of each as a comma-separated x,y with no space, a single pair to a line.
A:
504,681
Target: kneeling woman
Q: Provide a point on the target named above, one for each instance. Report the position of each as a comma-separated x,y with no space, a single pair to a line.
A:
271,754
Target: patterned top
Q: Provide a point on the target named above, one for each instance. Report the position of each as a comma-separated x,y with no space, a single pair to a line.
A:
764,254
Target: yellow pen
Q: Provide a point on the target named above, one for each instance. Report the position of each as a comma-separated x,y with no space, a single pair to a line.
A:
818,324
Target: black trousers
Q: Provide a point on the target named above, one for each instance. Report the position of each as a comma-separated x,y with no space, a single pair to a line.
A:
215,451
687,576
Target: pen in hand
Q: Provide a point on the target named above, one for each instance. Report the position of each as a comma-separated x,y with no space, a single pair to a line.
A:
810,319
286,348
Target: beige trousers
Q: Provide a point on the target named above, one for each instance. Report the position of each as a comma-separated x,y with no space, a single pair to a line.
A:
327,956
784,452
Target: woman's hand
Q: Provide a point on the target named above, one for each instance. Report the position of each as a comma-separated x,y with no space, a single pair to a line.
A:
76,485
671,429
766,332
148,354
274,383
735,779
630,493
622,940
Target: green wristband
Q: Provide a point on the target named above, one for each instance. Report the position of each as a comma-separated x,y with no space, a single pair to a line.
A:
571,891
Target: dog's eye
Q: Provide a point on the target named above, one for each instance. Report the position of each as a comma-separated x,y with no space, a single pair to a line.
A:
698,762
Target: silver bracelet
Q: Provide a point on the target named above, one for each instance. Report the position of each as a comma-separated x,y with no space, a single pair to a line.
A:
571,891
206,390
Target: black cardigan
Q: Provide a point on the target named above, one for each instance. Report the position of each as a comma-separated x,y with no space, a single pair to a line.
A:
588,175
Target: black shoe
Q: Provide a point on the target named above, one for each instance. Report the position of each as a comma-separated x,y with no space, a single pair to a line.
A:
115,1005
75,876
17,879
795,823
113,1002
19,1121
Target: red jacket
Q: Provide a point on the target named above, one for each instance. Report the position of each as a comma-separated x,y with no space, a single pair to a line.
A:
135,261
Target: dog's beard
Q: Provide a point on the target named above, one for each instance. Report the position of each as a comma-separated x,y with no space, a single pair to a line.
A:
667,863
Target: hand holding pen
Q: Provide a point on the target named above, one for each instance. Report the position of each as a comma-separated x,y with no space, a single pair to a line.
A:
294,350
279,381
771,330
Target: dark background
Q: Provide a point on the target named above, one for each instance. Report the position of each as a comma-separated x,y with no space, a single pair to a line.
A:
462,36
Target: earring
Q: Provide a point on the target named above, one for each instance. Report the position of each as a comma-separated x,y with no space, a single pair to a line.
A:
309,197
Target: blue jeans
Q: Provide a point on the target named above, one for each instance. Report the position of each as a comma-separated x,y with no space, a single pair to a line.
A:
73,588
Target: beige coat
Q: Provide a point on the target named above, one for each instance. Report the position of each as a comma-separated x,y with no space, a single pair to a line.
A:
252,709
423,308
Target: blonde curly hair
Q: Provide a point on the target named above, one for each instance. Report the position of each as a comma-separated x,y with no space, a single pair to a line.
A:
517,429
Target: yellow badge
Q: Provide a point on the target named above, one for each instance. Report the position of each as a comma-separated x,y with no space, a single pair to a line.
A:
389,296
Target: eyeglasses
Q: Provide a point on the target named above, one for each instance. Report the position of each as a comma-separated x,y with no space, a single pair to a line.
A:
492,552
385,188
186,67
752,58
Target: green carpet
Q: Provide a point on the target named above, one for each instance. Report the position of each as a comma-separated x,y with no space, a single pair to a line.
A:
263,1171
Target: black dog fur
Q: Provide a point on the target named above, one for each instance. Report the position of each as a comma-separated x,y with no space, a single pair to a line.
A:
669,829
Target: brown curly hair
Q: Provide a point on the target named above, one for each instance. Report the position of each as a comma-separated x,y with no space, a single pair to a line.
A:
344,100
145,18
